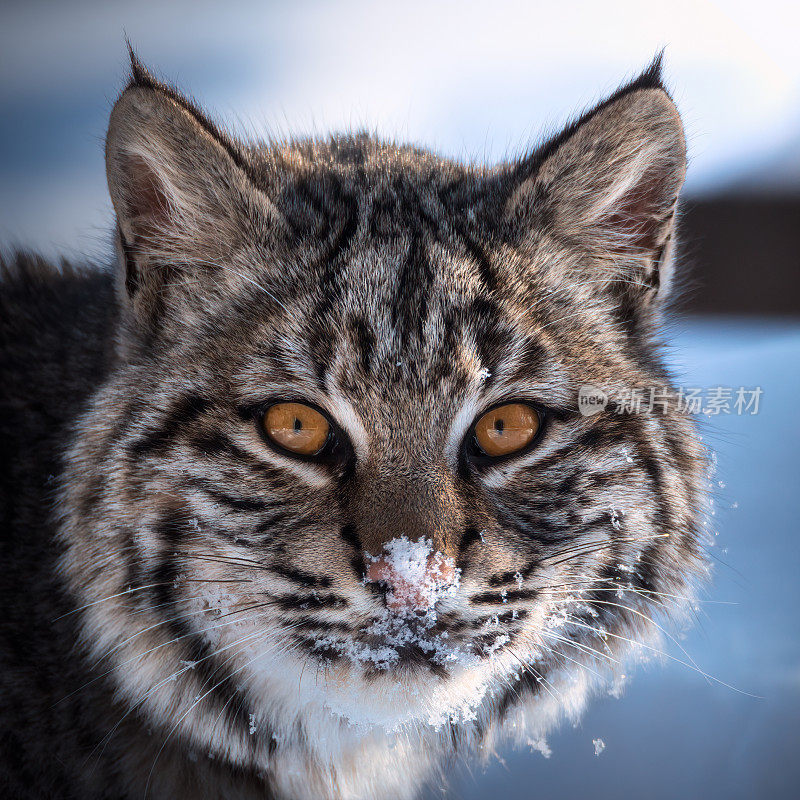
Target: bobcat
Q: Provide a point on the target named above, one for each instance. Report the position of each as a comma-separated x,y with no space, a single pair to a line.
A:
298,501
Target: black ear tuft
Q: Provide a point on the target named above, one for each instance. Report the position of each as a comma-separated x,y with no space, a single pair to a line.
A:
650,78
140,75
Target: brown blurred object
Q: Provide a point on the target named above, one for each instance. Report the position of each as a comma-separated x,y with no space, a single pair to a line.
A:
741,255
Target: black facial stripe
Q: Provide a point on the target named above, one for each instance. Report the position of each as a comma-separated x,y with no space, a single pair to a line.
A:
627,430
529,361
443,367
216,443
535,527
438,670
555,459
416,276
611,575
538,523
469,537
601,522
505,617
345,236
486,598
172,529
365,343
483,644
301,577
268,525
321,650
180,415
606,432
236,503
350,535
321,342
663,518
311,202
492,338
503,578
647,572
478,254
291,602
452,623
410,307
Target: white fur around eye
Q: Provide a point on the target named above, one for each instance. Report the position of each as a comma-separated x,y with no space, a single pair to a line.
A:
309,472
499,475
349,421
458,429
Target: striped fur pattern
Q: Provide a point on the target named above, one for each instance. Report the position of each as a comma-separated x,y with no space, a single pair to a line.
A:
218,584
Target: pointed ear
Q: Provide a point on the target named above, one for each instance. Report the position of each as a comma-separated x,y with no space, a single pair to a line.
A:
181,192
608,187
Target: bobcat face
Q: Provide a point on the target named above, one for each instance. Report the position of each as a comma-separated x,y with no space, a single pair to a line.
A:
340,472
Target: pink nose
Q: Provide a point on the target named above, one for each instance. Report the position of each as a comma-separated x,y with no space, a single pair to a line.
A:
415,589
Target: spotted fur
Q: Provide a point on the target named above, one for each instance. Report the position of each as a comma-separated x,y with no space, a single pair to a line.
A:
199,624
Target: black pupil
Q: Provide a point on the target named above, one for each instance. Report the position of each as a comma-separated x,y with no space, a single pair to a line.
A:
298,425
499,425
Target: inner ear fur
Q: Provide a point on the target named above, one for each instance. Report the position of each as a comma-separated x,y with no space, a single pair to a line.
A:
608,186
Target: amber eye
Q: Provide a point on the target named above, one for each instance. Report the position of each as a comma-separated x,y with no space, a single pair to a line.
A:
297,428
506,429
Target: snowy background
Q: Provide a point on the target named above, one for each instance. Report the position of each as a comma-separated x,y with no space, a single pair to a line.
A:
484,81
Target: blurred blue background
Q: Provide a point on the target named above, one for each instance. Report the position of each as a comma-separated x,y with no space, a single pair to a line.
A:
483,81
475,80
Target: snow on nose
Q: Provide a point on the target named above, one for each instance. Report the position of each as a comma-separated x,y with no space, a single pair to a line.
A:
416,576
